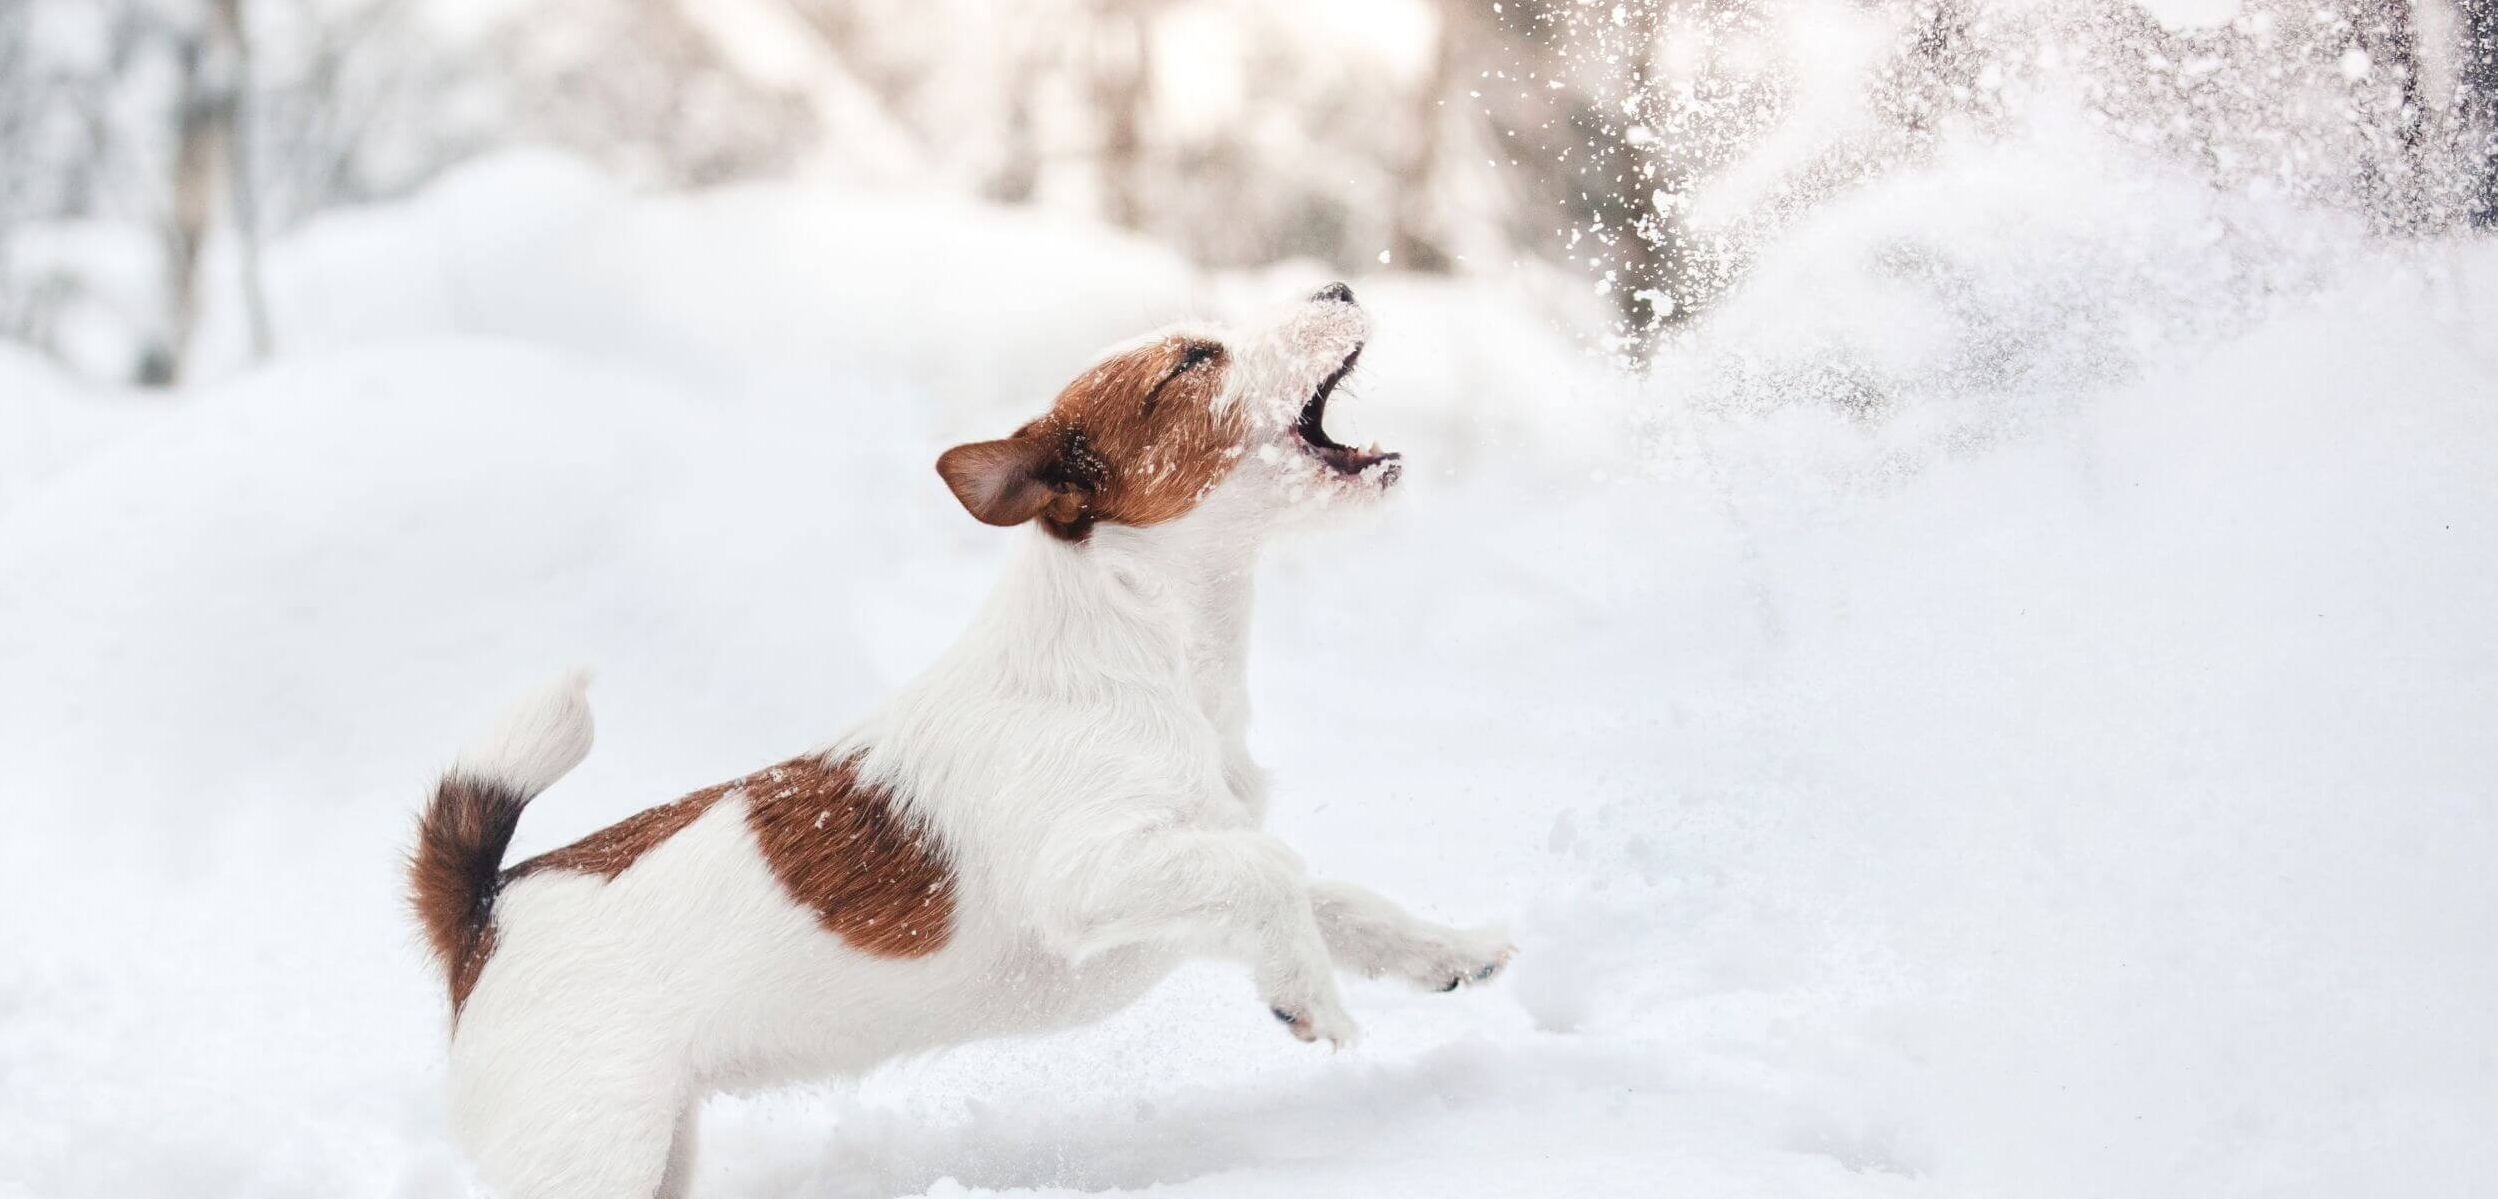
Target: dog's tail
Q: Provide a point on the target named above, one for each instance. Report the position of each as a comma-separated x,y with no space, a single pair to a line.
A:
453,871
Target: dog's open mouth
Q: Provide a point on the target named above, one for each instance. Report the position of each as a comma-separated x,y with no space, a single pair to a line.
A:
1312,428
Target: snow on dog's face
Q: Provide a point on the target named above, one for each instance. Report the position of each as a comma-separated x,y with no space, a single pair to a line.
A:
1157,425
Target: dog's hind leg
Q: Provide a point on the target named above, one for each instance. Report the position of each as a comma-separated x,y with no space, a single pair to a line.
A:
575,1130
676,1182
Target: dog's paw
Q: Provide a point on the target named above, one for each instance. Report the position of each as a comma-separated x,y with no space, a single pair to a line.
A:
1451,958
1314,1022
1307,1004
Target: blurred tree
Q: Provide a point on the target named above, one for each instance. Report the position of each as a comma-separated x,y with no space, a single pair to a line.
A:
2476,105
643,87
1639,105
211,175
1416,240
2392,177
1120,66
1645,146
156,118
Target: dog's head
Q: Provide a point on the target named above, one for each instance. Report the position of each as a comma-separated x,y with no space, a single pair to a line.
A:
1158,426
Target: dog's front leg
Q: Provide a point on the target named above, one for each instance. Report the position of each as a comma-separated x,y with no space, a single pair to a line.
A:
1371,935
1230,894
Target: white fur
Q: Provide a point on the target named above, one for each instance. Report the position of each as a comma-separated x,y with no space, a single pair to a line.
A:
1081,754
539,740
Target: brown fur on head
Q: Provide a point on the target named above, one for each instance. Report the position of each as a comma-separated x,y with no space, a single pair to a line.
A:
1133,441
1145,434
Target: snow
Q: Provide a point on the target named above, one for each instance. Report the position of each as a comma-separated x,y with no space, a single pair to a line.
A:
2003,710
48,420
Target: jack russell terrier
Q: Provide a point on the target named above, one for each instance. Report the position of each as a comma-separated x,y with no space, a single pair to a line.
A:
1026,838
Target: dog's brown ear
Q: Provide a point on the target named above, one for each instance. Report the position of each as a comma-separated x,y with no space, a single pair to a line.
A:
1001,482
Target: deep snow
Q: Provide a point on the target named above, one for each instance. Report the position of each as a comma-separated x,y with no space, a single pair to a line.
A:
2005,710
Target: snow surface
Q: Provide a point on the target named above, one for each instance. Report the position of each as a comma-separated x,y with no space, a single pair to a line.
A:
2006,710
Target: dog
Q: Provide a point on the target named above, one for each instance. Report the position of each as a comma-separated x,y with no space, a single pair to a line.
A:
1027,837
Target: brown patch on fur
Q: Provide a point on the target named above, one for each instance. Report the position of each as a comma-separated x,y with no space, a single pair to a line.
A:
451,874
1133,441
845,851
609,851
842,850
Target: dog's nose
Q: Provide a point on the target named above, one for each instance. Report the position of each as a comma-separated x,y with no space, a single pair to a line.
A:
1334,291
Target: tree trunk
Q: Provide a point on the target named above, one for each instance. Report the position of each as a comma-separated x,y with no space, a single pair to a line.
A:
1122,87
208,171
2476,102
241,189
203,122
1658,286
1410,240
2394,181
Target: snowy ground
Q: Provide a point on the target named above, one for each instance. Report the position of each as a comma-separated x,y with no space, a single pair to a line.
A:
2006,711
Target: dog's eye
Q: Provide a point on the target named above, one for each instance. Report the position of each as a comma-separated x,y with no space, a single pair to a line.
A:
1199,353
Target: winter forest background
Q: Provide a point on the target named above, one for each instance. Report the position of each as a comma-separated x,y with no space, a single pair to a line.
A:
1944,589
156,146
